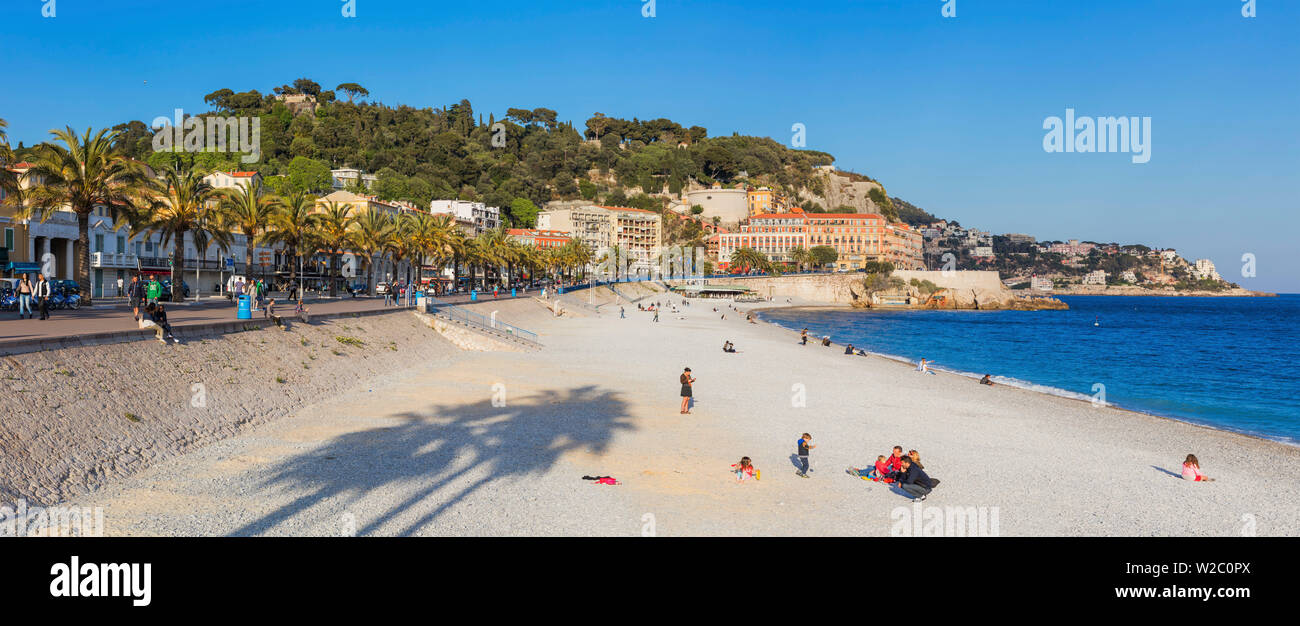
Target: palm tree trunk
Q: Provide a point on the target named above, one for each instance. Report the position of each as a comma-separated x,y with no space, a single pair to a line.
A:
248,256
83,254
178,267
334,273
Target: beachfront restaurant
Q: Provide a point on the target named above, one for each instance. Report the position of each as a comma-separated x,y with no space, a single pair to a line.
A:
725,292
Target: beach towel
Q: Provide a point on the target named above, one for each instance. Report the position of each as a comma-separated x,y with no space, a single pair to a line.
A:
602,480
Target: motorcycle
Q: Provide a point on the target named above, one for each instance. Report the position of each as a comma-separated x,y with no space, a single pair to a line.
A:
57,300
9,300
72,301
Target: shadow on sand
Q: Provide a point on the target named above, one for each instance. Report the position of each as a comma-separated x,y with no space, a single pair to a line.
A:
439,447
1177,475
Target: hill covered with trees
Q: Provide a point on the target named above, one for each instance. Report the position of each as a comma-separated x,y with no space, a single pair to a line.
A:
520,161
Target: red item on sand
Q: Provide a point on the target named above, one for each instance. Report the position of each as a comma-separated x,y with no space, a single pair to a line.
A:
607,481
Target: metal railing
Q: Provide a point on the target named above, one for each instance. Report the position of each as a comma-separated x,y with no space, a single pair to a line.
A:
434,306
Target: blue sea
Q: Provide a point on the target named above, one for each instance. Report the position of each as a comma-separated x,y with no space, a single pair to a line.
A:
1229,363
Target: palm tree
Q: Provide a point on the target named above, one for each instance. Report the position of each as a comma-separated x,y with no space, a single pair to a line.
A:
372,233
248,210
293,225
83,173
211,231
611,258
9,180
747,259
405,245
801,256
334,230
176,203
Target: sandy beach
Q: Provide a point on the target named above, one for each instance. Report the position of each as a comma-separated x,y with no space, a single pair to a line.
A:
497,443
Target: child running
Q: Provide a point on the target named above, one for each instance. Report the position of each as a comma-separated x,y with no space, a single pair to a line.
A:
1192,470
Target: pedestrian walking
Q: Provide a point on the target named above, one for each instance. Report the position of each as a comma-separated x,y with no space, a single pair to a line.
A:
43,295
25,289
135,294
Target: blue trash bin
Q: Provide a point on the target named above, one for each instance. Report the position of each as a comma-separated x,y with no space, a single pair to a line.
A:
245,310
512,293
473,295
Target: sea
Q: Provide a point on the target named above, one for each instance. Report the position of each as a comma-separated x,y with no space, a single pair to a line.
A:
1227,363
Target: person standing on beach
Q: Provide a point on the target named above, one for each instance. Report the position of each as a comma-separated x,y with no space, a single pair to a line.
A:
687,380
657,318
804,445
803,337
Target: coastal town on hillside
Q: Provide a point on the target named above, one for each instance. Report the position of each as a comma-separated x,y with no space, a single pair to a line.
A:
745,230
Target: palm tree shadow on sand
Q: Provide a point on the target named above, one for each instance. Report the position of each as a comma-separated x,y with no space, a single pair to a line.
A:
442,445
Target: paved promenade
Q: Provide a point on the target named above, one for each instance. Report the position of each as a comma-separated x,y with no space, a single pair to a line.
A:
118,318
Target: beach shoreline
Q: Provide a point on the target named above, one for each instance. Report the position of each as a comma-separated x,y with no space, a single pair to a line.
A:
1063,394
441,456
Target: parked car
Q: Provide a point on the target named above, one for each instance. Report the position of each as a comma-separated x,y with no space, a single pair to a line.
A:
381,288
167,290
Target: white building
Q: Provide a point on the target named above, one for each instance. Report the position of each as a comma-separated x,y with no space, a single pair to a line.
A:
1097,277
231,180
343,177
1128,276
1204,269
982,252
728,205
1040,283
482,216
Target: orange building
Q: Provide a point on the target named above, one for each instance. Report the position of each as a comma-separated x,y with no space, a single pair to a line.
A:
856,237
760,201
539,238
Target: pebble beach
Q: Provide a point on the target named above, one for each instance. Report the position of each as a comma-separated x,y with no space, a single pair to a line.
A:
497,443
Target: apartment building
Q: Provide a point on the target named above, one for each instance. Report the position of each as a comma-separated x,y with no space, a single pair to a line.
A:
343,177
537,238
479,216
856,237
639,233
760,201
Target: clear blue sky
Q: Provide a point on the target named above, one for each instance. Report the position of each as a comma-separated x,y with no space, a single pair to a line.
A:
947,113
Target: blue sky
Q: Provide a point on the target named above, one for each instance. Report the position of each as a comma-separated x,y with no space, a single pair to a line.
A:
946,112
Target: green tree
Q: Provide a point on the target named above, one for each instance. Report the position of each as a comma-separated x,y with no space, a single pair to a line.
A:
247,209
523,212
78,176
176,203
823,255
309,175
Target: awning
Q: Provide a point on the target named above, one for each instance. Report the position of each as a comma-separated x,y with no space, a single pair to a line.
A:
23,267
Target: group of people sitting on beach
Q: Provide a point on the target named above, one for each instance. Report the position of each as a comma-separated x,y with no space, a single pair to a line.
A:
906,471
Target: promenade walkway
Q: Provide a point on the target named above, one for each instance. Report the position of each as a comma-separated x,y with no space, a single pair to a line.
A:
118,318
